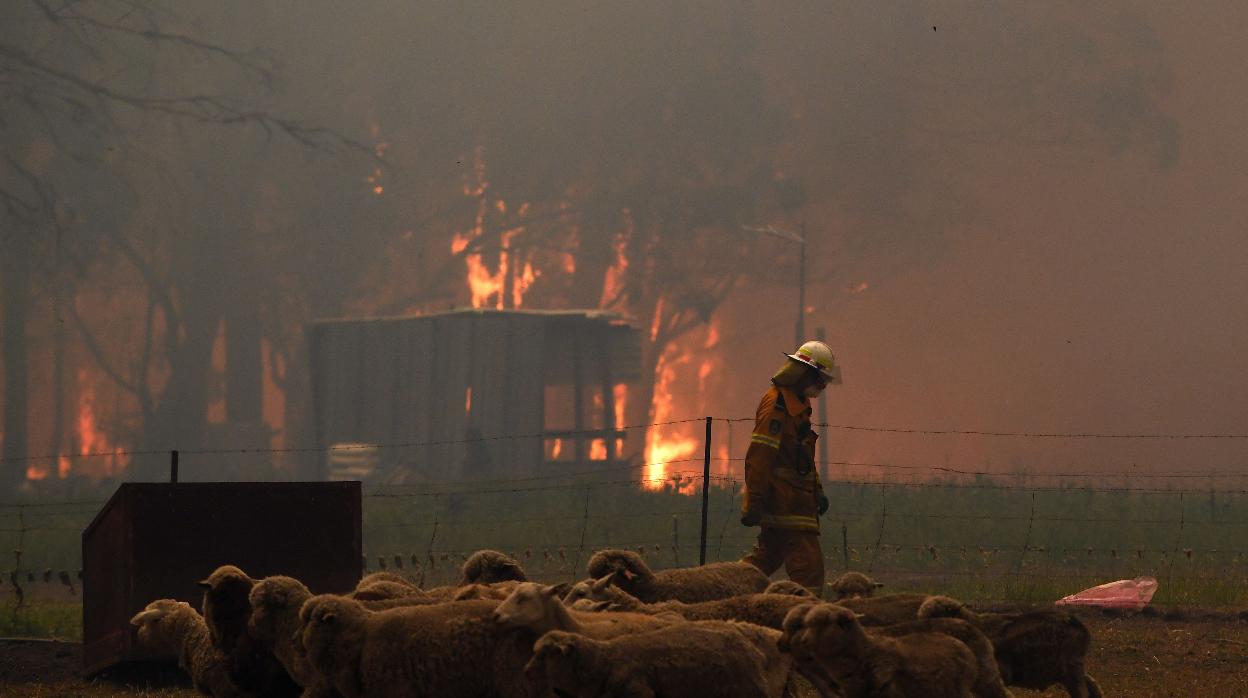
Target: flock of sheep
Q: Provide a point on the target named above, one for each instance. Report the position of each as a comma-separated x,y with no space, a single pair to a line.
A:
717,630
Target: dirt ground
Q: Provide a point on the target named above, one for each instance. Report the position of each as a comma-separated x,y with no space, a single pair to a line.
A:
1174,654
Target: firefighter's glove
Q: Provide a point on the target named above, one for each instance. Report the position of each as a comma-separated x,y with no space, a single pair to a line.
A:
753,517
823,504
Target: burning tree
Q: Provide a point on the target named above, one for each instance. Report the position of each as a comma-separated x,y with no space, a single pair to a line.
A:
84,90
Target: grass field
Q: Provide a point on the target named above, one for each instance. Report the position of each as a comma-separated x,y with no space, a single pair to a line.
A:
979,540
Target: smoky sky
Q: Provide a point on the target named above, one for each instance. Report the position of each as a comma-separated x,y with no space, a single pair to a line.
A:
1020,218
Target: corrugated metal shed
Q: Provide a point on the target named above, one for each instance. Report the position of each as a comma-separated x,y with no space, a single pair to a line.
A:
474,393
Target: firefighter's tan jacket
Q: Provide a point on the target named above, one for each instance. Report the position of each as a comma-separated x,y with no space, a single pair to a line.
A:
781,479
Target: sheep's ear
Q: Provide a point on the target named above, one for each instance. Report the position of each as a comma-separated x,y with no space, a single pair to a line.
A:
203,584
628,574
600,584
562,588
329,617
144,616
551,591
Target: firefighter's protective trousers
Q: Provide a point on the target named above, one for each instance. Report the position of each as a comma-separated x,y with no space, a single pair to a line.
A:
782,483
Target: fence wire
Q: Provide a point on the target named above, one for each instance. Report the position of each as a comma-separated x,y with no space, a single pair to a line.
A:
958,527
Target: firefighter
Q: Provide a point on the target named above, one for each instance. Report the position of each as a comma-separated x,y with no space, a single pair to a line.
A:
783,494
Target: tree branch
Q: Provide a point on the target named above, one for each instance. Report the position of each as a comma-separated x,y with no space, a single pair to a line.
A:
97,353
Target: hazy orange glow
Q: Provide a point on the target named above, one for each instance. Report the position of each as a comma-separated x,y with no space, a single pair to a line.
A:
216,398
91,439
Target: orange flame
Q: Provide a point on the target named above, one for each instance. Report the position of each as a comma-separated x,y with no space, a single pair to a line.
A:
675,395
667,444
489,289
91,440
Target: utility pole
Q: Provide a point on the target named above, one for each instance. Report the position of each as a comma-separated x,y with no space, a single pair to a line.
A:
801,288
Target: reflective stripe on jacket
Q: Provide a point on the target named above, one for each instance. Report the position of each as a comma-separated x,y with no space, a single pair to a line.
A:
781,479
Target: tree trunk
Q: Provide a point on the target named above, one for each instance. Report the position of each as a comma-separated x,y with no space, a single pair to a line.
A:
179,419
15,305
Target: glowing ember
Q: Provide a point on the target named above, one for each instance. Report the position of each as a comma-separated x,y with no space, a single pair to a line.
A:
374,179
613,284
598,449
620,396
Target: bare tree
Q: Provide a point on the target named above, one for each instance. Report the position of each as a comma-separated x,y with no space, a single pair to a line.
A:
76,80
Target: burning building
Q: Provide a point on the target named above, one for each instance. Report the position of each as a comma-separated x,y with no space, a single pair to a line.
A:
472,394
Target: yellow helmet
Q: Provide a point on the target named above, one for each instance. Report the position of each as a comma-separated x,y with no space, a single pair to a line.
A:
817,355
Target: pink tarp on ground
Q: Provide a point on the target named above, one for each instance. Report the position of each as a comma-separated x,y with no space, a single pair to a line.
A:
1125,593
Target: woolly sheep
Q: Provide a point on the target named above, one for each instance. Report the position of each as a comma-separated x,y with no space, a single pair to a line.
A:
446,650
489,567
172,629
689,584
274,620
988,682
853,585
382,590
889,609
804,659
767,610
225,610
707,658
865,665
384,576
498,590
1034,649
788,587
538,609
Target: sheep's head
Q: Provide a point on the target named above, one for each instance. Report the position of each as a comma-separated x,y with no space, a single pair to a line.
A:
160,625
945,607
854,585
791,629
491,566
625,565
577,592
273,599
831,629
323,620
788,587
591,606
529,606
555,662
225,605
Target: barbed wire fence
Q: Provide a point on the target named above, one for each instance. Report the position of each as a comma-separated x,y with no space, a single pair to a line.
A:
942,527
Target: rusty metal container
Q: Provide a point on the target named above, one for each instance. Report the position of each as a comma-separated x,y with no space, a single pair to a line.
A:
156,540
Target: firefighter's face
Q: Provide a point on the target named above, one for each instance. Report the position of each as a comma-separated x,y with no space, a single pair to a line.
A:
815,384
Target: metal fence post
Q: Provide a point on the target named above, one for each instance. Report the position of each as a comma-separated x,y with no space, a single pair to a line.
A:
706,489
